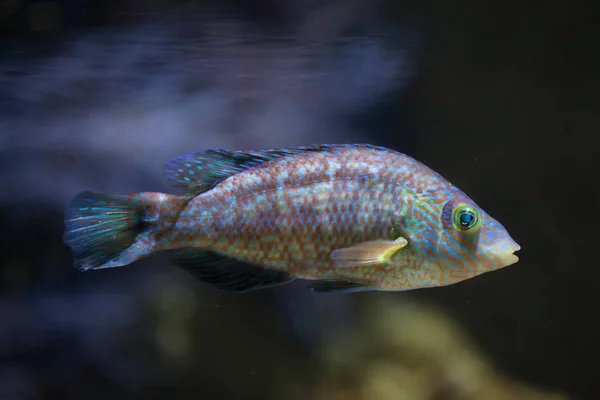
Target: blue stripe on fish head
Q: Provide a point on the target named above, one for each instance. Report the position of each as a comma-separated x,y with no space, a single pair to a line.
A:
471,241
419,224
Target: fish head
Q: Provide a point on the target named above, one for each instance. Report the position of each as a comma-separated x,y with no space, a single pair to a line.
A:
471,242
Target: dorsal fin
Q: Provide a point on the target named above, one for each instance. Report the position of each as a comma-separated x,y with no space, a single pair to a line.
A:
199,172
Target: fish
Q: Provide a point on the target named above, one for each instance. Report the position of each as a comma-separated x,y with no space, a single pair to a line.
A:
344,217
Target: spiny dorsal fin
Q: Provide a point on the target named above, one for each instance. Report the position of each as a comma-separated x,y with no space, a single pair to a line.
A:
200,172
337,286
227,274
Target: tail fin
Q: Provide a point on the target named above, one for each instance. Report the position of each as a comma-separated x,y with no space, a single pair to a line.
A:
105,231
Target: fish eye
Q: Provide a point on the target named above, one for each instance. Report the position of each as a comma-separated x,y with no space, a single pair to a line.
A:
466,217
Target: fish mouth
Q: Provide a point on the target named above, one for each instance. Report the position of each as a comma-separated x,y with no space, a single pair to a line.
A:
509,259
507,255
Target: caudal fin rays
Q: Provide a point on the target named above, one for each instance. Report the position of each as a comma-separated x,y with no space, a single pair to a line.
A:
104,231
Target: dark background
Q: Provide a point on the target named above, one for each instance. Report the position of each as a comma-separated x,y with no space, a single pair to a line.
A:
499,97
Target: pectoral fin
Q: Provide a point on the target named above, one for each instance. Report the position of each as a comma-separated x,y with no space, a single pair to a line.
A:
368,253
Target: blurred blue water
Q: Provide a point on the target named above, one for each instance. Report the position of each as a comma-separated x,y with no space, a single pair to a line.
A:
102,110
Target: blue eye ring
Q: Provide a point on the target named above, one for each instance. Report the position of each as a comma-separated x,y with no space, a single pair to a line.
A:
466,218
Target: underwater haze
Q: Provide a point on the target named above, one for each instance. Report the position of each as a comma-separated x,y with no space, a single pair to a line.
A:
501,100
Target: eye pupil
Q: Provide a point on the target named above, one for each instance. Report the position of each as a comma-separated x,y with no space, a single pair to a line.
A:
466,219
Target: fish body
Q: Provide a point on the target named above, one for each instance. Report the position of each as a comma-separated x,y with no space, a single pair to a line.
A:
350,217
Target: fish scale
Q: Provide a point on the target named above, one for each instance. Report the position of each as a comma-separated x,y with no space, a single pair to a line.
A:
307,191
351,217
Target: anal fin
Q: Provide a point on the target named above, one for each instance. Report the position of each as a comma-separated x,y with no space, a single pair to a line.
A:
338,286
228,274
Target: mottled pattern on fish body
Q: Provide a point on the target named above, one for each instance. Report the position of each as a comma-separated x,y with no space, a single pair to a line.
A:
260,218
290,213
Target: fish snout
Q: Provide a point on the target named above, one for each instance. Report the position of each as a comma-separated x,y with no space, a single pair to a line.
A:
504,250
